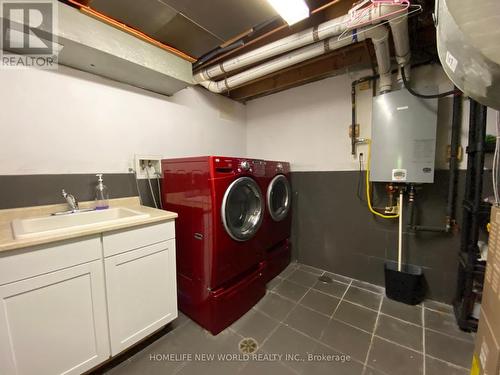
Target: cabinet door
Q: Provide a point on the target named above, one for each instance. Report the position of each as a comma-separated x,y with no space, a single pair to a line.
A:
141,292
54,323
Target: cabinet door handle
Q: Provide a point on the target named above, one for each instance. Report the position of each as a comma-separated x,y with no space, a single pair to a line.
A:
198,236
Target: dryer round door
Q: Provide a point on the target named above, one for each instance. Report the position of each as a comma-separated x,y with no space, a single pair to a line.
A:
279,196
242,209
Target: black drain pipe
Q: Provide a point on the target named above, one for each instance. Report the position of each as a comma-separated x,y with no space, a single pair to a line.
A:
353,118
450,222
455,144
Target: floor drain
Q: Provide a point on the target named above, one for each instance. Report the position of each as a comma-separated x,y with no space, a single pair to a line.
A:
325,279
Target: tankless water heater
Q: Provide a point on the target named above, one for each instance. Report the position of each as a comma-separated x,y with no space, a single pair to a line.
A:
403,138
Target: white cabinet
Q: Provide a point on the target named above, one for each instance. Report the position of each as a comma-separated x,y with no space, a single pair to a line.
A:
54,323
141,288
67,307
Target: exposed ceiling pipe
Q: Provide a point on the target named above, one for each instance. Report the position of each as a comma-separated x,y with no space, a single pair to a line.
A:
324,30
380,40
399,28
267,34
379,36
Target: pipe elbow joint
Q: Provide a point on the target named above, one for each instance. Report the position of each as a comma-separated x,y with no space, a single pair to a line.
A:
201,77
212,86
378,34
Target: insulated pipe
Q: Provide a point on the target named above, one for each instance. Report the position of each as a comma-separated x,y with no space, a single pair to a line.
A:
289,43
379,35
400,35
295,57
265,35
380,39
325,30
399,28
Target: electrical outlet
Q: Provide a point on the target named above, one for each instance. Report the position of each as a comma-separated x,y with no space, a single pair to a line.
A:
145,164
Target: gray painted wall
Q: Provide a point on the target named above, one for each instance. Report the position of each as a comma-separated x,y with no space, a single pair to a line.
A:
35,190
333,230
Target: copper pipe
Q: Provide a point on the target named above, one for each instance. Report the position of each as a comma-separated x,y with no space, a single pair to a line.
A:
319,9
271,32
102,17
236,38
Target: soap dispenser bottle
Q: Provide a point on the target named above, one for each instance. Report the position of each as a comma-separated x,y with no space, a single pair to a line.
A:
101,194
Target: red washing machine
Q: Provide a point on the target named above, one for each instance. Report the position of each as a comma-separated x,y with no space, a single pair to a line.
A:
278,219
220,268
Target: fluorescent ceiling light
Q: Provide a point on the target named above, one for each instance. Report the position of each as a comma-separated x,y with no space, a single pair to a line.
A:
292,11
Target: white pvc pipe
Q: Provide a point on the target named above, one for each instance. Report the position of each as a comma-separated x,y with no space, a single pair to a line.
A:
399,28
400,238
289,43
380,40
378,34
314,34
295,57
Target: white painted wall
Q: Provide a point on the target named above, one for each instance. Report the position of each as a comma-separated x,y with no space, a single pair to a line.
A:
308,125
74,122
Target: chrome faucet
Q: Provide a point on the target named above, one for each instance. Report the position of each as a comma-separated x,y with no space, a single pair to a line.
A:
72,202
73,205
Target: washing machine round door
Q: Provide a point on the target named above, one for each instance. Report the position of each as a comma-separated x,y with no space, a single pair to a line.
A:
279,197
242,209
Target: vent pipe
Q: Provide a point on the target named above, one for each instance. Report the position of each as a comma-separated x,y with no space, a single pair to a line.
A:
399,28
396,15
379,36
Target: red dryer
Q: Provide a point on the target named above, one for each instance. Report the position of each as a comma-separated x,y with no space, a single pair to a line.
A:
278,218
220,268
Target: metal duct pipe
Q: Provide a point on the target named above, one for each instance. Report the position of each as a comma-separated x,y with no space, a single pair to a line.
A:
399,28
400,35
379,36
323,31
289,43
380,40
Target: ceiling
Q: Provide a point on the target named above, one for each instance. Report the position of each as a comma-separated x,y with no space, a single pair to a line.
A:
355,57
199,28
194,27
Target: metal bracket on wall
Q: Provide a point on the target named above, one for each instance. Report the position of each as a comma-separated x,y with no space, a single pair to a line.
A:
460,153
356,131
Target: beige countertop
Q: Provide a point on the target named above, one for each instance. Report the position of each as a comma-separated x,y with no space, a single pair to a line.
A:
8,242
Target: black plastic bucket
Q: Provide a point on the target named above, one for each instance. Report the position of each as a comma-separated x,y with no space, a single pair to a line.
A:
405,286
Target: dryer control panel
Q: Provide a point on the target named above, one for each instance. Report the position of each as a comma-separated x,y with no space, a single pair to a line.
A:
237,165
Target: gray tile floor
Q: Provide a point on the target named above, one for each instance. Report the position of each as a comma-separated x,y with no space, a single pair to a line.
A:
346,327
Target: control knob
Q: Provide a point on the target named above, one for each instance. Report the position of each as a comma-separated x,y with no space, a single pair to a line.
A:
245,165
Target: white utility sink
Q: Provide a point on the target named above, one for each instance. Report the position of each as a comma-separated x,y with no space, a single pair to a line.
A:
60,224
